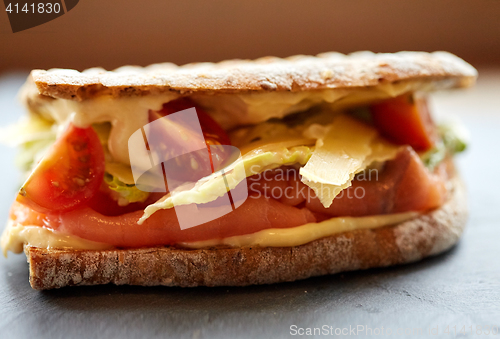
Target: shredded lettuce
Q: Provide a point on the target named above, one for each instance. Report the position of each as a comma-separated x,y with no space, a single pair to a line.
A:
31,152
214,186
126,193
293,127
434,156
454,139
118,176
362,113
33,135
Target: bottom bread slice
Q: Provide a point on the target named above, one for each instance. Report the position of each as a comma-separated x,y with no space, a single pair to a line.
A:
412,240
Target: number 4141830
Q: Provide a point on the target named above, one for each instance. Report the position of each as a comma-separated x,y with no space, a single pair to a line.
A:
40,8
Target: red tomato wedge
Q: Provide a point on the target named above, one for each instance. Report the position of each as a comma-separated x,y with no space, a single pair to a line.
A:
194,165
405,120
68,176
213,133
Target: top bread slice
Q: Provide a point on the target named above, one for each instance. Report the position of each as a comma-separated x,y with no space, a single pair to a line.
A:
292,74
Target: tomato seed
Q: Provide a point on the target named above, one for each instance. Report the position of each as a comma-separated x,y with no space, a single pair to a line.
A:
80,182
84,158
79,146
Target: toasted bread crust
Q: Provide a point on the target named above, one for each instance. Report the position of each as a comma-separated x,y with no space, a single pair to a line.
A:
427,235
296,74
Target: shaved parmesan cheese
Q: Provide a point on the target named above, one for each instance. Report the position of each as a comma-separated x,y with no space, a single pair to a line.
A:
347,149
382,150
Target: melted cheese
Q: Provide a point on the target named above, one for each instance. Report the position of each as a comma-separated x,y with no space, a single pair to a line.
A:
15,236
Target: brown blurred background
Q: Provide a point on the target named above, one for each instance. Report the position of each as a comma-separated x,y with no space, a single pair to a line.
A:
114,33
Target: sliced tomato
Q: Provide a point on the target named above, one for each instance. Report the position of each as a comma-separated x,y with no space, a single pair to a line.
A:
406,120
190,166
68,176
213,133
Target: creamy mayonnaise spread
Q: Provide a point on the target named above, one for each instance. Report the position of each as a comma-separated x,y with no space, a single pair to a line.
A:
15,236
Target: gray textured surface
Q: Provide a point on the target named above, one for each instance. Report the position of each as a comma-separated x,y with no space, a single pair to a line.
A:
459,288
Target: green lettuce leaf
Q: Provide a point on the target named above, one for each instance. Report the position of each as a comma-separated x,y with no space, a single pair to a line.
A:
33,135
127,193
454,139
